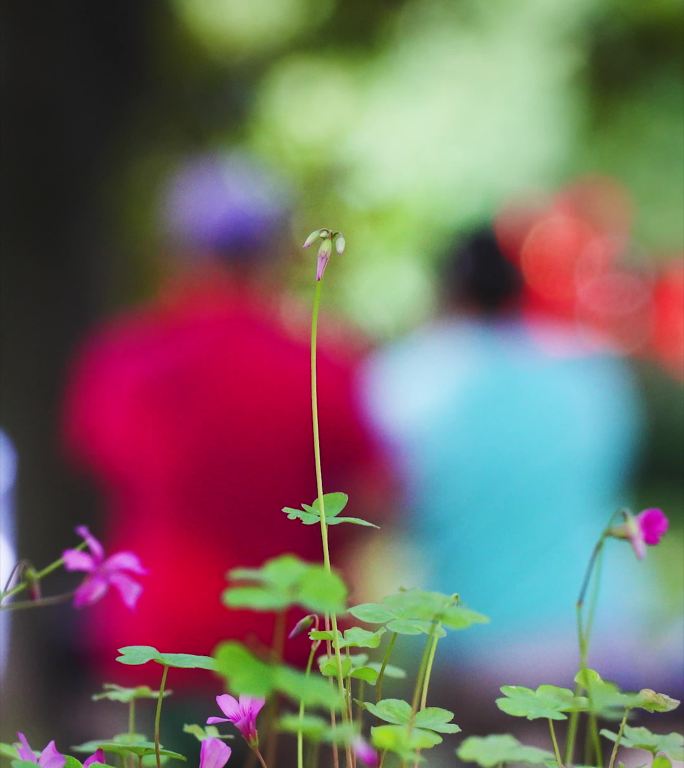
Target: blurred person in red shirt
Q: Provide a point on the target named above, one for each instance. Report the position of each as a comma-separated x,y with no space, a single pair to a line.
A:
193,416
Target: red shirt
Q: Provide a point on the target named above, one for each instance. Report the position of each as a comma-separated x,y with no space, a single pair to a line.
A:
194,417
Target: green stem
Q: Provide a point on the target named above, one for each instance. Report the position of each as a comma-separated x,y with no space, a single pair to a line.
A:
385,661
157,715
40,602
131,717
300,735
554,741
428,667
616,746
419,679
260,757
321,502
39,575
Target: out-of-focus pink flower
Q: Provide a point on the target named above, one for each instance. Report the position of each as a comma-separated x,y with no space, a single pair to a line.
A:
103,572
241,713
214,753
646,528
97,757
365,753
48,758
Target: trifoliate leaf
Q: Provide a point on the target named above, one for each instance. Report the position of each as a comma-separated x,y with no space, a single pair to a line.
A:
113,692
488,751
547,701
141,654
672,744
436,719
250,675
140,749
396,711
286,581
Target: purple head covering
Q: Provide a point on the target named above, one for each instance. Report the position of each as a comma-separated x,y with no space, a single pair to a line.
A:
225,203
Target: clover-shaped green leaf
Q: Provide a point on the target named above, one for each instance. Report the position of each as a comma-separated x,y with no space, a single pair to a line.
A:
672,744
334,503
399,712
139,749
547,701
606,698
404,741
285,581
415,611
488,751
113,692
202,732
651,701
248,674
396,711
141,654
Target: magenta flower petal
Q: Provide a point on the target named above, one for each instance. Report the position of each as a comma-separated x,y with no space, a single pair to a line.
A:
213,753
229,705
124,561
97,757
24,749
653,524
51,758
91,590
75,560
129,589
365,753
217,720
93,544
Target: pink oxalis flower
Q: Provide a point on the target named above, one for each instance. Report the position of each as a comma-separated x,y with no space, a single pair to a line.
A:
50,757
214,753
365,753
241,713
103,572
646,528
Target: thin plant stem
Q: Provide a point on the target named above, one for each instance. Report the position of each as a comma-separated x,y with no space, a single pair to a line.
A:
40,574
419,678
428,668
385,661
157,715
300,735
359,707
616,746
382,758
131,717
260,757
321,501
41,602
554,741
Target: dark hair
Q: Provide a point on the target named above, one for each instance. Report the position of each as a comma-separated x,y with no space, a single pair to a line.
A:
477,275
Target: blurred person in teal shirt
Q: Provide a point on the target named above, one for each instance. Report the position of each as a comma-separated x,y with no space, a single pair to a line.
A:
516,437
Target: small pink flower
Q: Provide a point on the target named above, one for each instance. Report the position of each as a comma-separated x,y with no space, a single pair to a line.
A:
365,753
214,753
48,758
241,713
97,757
646,528
103,572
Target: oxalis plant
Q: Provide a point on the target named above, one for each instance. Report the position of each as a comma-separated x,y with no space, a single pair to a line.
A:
334,710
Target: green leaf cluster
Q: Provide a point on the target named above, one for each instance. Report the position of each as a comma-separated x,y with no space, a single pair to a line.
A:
407,732
140,748
202,732
606,698
318,729
113,692
286,581
416,611
141,654
333,503
547,701
488,751
246,673
672,744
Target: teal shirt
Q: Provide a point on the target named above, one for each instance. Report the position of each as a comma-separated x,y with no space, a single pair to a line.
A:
516,443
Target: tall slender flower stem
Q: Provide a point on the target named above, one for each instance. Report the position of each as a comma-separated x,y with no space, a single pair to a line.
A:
40,602
157,715
300,734
554,741
321,501
131,717
616,746
38,575
383,667
260,757
428,667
